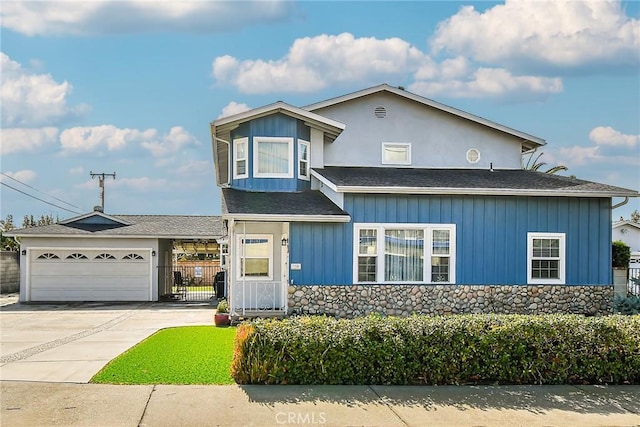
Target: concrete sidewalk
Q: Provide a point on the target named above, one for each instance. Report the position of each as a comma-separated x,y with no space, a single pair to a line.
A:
44,404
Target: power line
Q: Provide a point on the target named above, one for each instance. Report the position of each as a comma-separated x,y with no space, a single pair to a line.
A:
37,198
42,192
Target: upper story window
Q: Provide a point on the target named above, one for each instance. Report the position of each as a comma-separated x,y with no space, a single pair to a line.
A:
272,157
240,152
546,258
303,159
394,153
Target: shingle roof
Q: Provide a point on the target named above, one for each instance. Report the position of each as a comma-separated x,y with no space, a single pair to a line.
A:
460,181
163,226
291,205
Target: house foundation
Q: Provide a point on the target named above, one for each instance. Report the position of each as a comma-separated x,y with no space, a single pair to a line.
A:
348,301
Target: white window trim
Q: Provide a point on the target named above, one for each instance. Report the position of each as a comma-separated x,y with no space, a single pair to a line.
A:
428,243
256,141
561,280
306,177
237,142
240,256
396,145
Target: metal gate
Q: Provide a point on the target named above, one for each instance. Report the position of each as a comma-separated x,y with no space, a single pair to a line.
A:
193,283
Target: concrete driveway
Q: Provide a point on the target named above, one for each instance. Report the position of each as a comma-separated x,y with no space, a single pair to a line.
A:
72,342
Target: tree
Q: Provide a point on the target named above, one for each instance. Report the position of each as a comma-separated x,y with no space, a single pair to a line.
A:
534,164
7,243
635,216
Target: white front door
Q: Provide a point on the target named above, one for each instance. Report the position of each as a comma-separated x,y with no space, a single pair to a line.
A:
260,269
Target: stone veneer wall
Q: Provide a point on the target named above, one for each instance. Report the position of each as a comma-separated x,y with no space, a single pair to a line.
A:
403,300
9,271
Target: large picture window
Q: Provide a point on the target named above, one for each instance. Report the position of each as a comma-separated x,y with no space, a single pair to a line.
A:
272,157
255,256
404,253
546,258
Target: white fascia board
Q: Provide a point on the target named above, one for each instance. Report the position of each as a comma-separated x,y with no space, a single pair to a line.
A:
312,119
324,180
112,236
626,222
431,103
288,218
477,191
95,213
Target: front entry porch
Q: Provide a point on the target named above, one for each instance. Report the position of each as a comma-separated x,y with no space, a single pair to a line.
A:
258,268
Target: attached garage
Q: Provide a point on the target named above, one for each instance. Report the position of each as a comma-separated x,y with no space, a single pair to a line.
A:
87,274
100,257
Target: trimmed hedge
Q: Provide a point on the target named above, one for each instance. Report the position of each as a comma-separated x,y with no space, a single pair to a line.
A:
464,349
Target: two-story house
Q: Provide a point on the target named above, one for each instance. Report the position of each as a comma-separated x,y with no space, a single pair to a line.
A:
385,201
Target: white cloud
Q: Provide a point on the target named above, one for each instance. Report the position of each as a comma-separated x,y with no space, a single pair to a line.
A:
140,184
136,16
314,63
608,136
554,33
30,99
610,147
194,167
26,175
233,108
487,83
14,140
109,138
86,139
171,143
76,171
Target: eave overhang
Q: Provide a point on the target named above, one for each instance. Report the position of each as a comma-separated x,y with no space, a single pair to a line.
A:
288,218
329,126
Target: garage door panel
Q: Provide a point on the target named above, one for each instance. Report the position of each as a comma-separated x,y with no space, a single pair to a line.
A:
87,295
89,275
89,269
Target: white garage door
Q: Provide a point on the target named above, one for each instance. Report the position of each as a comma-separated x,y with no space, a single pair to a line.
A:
89,275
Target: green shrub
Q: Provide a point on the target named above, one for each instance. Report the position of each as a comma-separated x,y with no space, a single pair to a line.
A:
626,305
549,349
620,254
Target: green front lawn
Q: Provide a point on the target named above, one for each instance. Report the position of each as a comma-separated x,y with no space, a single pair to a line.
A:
185,355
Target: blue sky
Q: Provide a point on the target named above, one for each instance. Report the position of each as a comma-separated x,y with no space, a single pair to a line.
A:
131,86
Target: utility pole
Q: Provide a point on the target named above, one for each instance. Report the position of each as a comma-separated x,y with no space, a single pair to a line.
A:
101,177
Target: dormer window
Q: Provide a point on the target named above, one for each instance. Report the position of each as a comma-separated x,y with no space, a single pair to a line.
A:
240,158
272,157
394,153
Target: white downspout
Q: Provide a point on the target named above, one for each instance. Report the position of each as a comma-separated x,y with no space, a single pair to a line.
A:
622,203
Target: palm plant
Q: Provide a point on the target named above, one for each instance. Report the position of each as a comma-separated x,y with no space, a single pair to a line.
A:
534,164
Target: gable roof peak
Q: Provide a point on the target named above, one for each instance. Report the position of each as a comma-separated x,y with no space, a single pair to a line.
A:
529,142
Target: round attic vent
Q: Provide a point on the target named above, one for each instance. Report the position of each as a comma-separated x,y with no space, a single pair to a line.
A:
380,112
473,155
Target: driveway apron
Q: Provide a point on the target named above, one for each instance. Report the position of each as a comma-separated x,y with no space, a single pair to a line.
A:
72,342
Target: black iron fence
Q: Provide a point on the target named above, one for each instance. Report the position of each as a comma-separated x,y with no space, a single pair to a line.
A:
633,286
191,282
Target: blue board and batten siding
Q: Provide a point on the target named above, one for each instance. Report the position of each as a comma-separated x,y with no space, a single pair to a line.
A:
275,125
491,236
